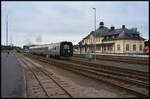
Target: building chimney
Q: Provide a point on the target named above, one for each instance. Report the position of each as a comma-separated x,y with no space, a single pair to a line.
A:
101,24
123,26
112,27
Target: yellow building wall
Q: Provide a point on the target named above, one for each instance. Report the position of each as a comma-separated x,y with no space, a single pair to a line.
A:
118,42
137,43
99,40
113,47
122,44
131,43
91,38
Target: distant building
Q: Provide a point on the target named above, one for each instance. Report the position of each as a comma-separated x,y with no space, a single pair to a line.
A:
111,40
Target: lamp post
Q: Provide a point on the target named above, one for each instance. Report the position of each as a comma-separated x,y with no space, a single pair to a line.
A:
95,33
7,31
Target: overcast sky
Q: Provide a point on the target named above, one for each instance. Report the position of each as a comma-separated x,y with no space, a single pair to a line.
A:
71,21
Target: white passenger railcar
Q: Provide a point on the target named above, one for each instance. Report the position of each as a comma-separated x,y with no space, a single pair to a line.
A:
64,49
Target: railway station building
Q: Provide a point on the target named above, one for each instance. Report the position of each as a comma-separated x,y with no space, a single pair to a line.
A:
111,40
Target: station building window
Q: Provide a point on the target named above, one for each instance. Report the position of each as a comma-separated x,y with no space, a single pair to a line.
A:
127,47
140,48
118,47
134,47
104,48
98,48
109,48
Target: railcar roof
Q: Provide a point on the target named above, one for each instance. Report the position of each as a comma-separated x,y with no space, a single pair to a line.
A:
45,45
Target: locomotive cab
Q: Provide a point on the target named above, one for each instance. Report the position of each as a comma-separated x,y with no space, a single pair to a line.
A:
66,49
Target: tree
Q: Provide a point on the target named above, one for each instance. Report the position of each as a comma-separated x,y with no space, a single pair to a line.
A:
134,31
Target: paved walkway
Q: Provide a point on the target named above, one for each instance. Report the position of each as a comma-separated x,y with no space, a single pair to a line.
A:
12,77
118,64
127,55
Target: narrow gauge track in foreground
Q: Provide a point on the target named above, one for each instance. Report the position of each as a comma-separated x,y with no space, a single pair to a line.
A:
44,84
138,88
119,59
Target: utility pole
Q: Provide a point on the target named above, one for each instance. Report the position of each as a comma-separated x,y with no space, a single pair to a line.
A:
95,33
7,31
11,40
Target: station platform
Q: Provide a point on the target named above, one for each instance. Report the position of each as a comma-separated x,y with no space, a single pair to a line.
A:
116,64
12,81
127,55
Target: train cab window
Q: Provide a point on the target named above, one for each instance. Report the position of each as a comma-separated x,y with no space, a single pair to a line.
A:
66,46
49,47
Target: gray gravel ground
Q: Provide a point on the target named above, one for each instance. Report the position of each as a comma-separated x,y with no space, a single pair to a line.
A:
12,85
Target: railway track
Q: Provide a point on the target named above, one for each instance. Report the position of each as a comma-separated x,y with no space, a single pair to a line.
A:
120,59
134,85
115,70
42,83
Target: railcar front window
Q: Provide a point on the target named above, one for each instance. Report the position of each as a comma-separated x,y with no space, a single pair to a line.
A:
66,46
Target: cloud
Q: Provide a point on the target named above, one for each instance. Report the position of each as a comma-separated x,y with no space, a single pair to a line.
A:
56,21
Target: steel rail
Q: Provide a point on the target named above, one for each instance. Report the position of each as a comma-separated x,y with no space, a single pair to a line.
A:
120,86
36,78
113,71
44,71
120,60
133,72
